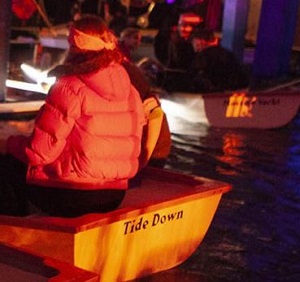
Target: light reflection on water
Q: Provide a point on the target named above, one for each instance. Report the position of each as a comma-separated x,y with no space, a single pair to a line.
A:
255,233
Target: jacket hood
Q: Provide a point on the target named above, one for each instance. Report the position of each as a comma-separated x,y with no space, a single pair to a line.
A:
112,82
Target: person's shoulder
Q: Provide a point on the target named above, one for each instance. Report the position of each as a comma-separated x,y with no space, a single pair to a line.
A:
218,51
65,86
215,49
118,68
69,81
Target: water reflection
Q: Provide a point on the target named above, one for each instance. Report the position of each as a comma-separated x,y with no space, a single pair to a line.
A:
232,153
255,233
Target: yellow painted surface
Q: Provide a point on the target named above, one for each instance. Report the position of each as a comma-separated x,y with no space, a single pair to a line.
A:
158,226
145,243
58,245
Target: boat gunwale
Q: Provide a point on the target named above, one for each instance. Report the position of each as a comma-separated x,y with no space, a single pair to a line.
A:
239,91
204,188
26,106
48,267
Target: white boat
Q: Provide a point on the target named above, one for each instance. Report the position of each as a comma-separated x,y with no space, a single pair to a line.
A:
262,110
239,109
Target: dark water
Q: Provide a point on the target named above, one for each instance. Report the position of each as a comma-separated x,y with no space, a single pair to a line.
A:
255,234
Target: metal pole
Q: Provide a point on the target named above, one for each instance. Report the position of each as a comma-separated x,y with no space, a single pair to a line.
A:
235,17
5,24
276,33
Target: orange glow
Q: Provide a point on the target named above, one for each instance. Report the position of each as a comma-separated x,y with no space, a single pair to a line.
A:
8,128
23,9
85,41
186,23
240,105
190,18
158,226
232,152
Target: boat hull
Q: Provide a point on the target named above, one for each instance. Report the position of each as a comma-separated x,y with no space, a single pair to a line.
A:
20,110
262,110
20,265
158,226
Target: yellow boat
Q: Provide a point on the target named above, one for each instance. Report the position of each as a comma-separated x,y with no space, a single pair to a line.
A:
158,226
20,265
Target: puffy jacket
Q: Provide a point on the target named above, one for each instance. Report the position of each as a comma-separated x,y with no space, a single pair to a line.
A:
88,133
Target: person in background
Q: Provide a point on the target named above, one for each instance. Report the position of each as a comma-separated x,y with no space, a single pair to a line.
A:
129,41
180,48
86,140
199,7
214,68
156,142
180,53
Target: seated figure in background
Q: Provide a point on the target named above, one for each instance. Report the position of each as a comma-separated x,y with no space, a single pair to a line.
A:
214,68
129,41
156,142
177,54
180,48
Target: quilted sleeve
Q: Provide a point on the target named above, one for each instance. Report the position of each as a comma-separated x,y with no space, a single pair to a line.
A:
53,125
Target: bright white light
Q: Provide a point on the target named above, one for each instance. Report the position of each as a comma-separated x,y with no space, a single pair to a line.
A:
37,75
185,106
42,81
40,88
31,72
185,115
172,108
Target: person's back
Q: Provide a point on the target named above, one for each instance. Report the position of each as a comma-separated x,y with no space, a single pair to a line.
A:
180,47
214,68
217,69
154,154
98,111
87,137
179,53
130,40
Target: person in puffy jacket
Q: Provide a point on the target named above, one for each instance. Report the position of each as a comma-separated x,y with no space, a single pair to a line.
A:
86,141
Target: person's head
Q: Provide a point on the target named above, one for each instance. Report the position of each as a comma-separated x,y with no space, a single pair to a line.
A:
92,44
203,38
131,38
186,24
